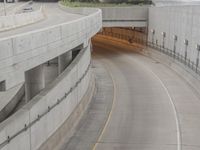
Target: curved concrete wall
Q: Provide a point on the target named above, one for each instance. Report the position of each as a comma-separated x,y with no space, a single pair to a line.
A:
18,20
182,21
31,49
32,125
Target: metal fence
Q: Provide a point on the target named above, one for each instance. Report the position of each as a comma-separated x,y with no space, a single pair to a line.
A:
49,109
131,36
141,38
194,66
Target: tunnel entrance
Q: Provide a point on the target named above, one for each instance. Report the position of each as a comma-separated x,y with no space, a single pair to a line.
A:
129,34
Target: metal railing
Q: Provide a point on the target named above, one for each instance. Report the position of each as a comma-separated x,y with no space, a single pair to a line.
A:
140,39
194,66
49,109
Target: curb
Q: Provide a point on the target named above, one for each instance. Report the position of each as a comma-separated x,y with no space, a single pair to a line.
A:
67,129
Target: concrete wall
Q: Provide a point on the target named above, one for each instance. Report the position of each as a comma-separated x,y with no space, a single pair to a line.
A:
183,21
34,123
17,20
45,105
25,51
135,16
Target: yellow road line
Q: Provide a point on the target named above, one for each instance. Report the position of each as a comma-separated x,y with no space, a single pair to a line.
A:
111,111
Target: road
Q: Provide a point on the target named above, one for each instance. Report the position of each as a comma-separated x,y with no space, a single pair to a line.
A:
11,8
54,16
153,107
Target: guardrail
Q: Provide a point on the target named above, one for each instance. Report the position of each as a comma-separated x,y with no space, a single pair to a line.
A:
53,107
130,36
17,20
140,38
35,122
194,66
48,110
27,49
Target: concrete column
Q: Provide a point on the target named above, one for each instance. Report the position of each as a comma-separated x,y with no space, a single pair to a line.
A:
34,82
63,61
51,70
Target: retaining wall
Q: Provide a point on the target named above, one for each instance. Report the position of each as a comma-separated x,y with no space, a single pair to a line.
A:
32,125
135,16
18,20
28,50
182,21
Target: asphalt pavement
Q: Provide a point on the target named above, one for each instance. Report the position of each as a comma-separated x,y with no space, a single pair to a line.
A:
54,16
153,108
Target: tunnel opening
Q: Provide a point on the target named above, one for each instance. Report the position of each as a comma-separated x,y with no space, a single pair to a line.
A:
128,34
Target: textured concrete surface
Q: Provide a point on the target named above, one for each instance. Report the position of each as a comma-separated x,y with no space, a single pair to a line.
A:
13,21
52,12
58,34
135,16
11,8
182,21
154,107
92,122
36,134
67,129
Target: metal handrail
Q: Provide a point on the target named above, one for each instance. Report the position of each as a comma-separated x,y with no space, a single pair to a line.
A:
177,56
49,108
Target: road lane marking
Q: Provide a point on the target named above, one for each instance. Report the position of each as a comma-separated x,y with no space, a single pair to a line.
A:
178,128
111,111
176,117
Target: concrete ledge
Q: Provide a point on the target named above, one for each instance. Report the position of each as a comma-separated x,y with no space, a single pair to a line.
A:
38,120
11,98
28,50
68,127
18,20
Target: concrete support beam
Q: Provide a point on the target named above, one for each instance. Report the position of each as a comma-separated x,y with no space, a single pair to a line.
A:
34,82
63,61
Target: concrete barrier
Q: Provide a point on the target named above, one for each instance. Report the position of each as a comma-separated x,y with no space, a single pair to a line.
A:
28,50
180,21
186,73
32,125
18,20
11,98
38,120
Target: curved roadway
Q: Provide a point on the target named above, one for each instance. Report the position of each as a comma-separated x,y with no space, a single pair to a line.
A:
153,108
54,16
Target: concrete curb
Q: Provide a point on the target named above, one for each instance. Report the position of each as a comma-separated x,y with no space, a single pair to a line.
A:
190,77
68,127
187,74
11,22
